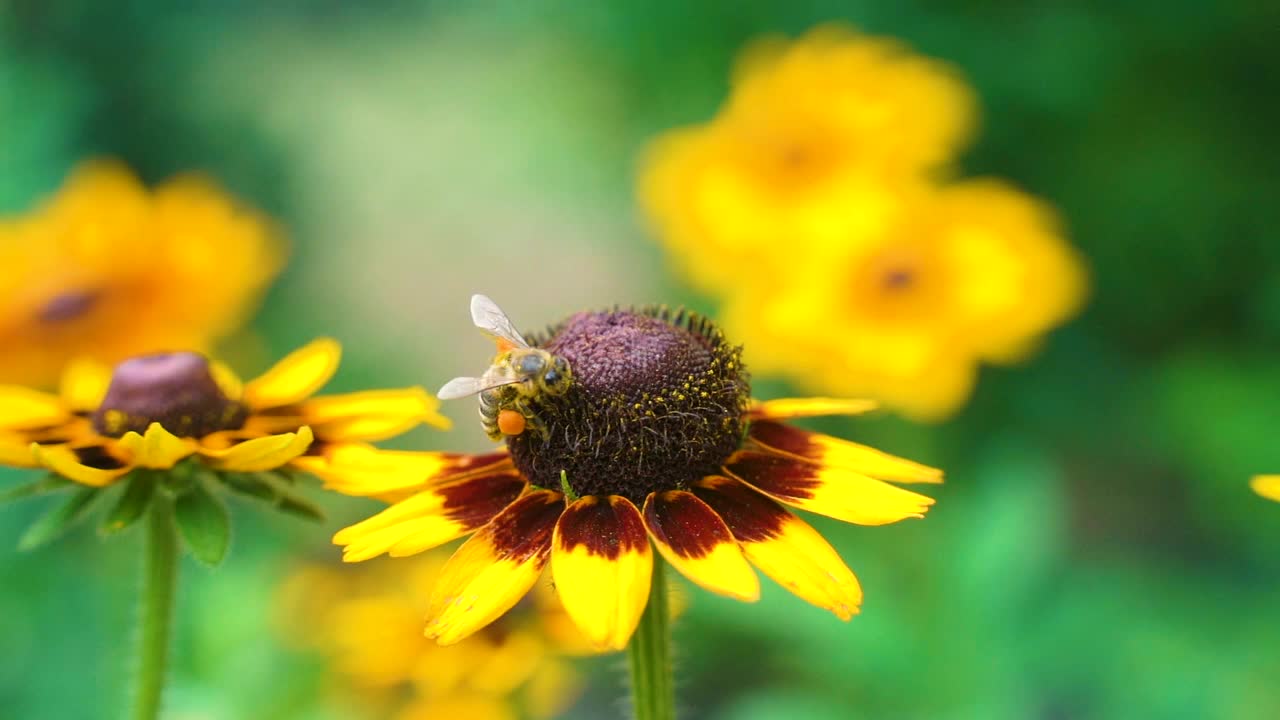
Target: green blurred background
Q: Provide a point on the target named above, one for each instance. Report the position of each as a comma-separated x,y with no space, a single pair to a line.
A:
1096,552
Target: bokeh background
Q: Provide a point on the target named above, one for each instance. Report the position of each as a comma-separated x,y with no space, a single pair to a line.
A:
1096,552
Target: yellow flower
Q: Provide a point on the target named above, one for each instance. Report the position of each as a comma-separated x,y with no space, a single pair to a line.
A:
834,121
155,411
110,269
977,272
655,440
368,626
1268,486
812,206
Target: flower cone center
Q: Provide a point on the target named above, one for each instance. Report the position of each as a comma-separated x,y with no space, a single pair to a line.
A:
177,390
657,401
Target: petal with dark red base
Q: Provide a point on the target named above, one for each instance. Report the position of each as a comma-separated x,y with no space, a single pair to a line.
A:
835,492
695,540
430,518
602,564
826,450
495,568
362,469
783,546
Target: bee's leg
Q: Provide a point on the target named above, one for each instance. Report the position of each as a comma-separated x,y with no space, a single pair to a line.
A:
532,422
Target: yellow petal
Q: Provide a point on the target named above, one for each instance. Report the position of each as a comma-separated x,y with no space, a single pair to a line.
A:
696,541
15,451
826,450
603,565
786,408
297,377
360,469
25,409
372,414
158,449
66,463
264,453
494,569
84,384
1268,486
431,518
783,546
832,491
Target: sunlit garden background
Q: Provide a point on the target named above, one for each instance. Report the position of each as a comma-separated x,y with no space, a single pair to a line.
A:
1096,551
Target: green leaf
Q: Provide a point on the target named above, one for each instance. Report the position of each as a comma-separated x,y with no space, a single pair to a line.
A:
47,484
204,524
250,485
300,507
274,488
140,487
59,519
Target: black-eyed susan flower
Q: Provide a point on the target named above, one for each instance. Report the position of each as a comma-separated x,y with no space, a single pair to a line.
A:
178,414
845,260
110,269
818,138
977,272
1268,486
655,442
366,626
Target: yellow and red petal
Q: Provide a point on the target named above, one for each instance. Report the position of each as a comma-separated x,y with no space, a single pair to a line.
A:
363,470
158,448
494,569
94,465
84,384
783,546
371,414
296,377
830,451
602,564
696,541
836,492
26,409
258,454
787,408
431,518
1268,486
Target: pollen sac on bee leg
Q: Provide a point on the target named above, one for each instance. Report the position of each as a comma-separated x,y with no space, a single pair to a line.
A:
510,422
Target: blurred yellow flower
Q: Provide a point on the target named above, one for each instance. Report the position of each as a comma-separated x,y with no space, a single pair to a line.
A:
367,624
816,140
110,269
977,271
155,411
814,207
1268,486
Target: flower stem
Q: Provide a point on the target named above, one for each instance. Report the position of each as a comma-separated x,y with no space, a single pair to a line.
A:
159,582
649,655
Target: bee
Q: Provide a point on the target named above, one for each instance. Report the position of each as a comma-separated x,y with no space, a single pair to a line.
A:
519,374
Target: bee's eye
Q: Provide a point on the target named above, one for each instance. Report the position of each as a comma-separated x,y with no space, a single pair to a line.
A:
531,364
551,377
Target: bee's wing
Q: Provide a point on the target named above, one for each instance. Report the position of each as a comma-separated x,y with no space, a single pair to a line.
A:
461,387
487,316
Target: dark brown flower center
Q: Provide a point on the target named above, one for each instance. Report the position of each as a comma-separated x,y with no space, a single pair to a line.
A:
176,390
68,306
657,401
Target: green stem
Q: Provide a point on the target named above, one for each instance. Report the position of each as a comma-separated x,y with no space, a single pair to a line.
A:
649,655
159,582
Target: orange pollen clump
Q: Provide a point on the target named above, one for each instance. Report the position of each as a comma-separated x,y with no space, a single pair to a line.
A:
510,422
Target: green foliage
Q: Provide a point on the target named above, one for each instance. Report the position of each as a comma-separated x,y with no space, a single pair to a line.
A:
60,518
139,488
204,524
